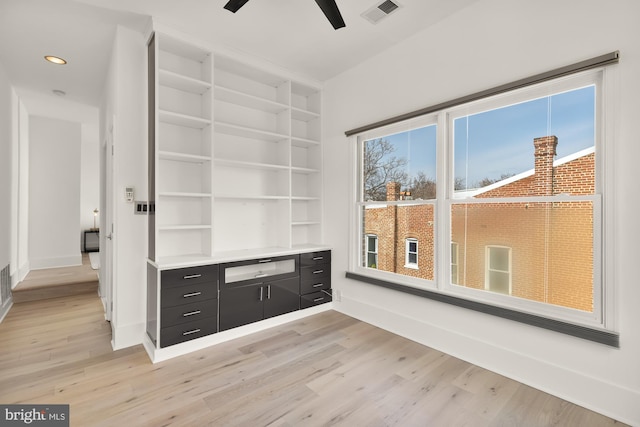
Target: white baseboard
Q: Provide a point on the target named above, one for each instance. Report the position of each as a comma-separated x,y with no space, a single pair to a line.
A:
19,275
4,308
604,397
67,261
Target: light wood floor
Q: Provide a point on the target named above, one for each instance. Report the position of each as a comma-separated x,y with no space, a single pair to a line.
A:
327,369
57,282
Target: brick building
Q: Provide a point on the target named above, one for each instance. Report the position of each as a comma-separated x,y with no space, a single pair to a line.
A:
541,251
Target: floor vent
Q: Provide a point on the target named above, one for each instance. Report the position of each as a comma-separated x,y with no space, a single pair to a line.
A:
380,10
5,284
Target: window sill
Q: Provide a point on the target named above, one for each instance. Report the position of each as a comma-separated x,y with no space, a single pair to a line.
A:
601,336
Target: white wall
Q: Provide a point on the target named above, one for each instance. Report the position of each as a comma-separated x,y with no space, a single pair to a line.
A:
487,44
54,193
124,99
6,142
87,117
23,195
89,174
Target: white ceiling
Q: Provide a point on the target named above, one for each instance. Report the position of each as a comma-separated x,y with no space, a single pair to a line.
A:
293,34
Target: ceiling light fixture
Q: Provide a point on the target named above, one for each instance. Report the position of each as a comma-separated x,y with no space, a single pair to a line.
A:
55,59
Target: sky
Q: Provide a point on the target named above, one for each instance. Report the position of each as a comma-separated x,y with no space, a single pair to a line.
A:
496,142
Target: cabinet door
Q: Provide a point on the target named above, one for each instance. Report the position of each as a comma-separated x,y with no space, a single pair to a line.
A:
282,296
240,306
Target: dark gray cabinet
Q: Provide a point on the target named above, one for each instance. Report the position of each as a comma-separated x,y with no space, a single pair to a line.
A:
192,302
315,278
188,304
254,290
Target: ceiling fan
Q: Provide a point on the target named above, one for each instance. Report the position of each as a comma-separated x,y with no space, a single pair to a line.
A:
329,7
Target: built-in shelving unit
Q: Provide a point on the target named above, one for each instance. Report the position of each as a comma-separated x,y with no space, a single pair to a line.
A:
235,156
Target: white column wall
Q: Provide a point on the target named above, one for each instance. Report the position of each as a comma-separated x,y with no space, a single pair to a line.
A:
124,99
487,44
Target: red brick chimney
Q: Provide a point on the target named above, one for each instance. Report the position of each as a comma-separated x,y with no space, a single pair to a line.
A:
393,191
544,152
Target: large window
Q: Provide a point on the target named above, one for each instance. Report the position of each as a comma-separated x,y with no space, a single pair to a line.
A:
504,195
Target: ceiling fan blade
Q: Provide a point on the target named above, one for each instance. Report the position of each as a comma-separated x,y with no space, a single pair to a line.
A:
234,5
331,11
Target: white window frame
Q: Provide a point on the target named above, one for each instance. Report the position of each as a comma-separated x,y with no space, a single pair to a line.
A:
407,252
603,315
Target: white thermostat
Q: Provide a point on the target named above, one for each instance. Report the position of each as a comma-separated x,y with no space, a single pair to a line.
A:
128,194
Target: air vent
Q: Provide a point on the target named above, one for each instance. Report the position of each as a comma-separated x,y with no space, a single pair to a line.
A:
380,10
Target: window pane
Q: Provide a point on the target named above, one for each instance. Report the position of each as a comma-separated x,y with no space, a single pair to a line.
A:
413,246
400,166
372,243
551,249
512,151
499,282
499,259
372,260
391,223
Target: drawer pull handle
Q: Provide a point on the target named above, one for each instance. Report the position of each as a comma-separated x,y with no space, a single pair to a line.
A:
318,299
260,275
264,260
192,276
192,294
317,258
195,331
191,313
318,271
317,285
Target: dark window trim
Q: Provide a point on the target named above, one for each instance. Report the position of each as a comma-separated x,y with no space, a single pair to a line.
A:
608,338
588,64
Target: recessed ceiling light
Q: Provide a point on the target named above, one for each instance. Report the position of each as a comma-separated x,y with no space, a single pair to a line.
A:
59,92
55,59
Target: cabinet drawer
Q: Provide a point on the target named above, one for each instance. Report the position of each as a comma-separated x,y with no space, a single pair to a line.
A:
188,331
186,276
185,313
313,258
315,273
315,298
315,284
186,294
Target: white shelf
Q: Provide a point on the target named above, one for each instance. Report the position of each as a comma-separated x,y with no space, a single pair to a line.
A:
247,100
247,132
304,142
184,195
182,157
303,115
249,197
304,198
250,165
306,171
182,82
238,156
183,119
184,227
